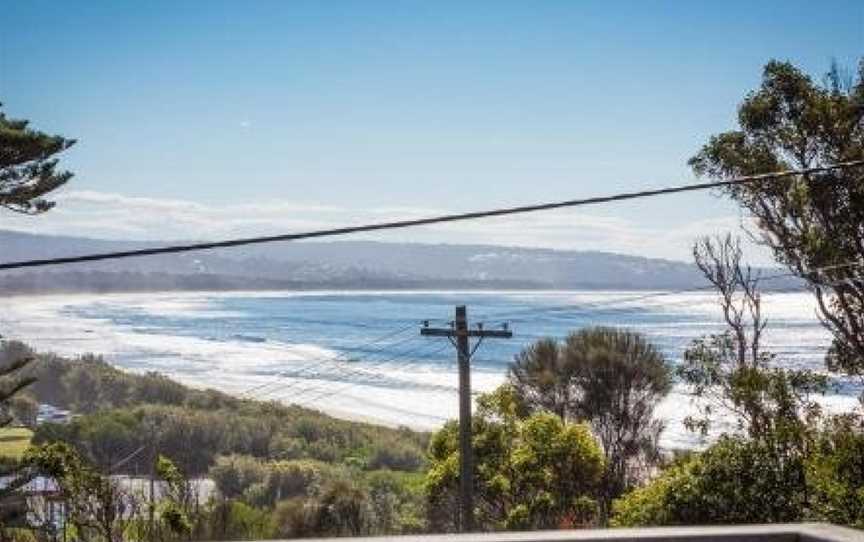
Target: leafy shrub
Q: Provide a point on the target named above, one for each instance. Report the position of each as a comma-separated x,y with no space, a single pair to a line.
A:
396,456
835,474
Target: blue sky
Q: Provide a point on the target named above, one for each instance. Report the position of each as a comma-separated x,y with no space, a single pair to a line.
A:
210,119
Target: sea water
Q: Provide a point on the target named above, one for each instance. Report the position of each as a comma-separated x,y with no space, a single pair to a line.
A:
360,355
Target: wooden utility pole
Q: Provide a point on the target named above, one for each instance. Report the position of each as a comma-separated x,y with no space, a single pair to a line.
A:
459,334
151,509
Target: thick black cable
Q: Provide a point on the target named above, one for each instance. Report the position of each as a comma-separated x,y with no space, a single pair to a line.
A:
172,249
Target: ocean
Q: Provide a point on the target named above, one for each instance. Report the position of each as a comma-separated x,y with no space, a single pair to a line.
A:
360,355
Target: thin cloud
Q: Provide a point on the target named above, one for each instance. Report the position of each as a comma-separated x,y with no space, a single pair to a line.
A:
117,216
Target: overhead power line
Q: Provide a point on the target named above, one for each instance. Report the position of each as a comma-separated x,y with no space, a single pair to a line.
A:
303,398
591,308
365,373
313,364
398,224
339,365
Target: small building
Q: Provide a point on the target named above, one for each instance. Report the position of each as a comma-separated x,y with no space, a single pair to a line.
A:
52,414
38,504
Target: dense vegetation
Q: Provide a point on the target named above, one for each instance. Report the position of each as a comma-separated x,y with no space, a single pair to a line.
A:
533,470
28,173
124,411
787,460
279,470
609,378
811,222
765,480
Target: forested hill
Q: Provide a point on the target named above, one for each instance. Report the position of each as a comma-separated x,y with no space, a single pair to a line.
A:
341,264
118,412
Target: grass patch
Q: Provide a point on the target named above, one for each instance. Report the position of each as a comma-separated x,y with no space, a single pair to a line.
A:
14,441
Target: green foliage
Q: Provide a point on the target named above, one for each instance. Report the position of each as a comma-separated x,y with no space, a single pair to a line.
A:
270,499
96,505
763,400
782,466
397,500
24,410
28,169
298,478
295,518
11,384
235,520
174,510
532,471
279,470
12,381
307,497
396,455
194,438
835,474
812,222
610,378
263,483
343,510
734,481
763,473
235,474
174,519
769,480
650,504
193,427
759,475
541,375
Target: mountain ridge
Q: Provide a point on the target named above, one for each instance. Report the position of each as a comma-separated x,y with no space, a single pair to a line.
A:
343,263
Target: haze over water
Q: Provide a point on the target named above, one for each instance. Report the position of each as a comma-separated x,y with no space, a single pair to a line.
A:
360,354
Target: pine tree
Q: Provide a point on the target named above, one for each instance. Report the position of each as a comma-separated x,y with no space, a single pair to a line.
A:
28,168
28,171
9,386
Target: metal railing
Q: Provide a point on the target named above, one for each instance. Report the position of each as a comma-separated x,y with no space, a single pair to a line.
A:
805,532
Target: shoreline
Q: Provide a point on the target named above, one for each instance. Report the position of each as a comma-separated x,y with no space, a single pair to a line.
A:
394,289
139,332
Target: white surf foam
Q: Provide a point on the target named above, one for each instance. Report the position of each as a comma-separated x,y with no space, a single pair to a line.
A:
419,395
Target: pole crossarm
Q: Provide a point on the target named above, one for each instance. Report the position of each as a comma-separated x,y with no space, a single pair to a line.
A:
447,332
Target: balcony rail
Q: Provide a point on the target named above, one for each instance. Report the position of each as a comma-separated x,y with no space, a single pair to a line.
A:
804,532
